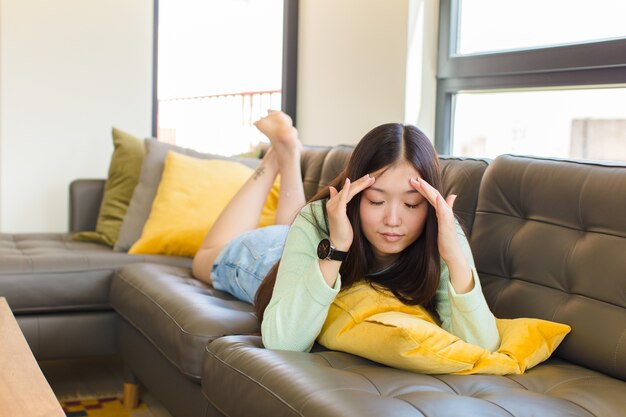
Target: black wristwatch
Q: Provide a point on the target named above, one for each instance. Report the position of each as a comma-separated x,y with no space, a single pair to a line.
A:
325,250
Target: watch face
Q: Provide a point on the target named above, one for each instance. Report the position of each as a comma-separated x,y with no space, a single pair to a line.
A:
323,249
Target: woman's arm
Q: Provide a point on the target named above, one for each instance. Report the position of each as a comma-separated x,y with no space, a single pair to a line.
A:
461,305
301,296
466,315
306,285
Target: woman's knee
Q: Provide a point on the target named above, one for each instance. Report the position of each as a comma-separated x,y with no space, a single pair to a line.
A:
203,263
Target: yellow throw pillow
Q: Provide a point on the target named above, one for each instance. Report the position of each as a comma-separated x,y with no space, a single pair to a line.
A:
376,325
123,177
191,195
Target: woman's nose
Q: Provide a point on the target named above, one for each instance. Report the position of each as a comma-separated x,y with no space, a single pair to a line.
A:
392,217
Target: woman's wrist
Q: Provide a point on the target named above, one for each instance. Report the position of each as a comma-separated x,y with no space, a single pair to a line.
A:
340,244
461,276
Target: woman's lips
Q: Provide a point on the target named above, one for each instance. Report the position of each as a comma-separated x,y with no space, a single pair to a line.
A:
391,237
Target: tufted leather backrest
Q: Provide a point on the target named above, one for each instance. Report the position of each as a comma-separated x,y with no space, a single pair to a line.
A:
549,240
462,176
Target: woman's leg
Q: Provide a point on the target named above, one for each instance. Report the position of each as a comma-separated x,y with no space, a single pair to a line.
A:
243,211
284,138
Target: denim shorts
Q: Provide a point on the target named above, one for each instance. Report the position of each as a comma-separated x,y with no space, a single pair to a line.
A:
246,260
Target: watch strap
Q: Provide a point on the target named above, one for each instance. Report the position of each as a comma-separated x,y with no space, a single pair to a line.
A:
325,250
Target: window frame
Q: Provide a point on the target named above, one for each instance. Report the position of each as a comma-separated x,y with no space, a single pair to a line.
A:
289,82
582,65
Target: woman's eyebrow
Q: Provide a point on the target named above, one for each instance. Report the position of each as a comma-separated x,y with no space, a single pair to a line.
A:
380,190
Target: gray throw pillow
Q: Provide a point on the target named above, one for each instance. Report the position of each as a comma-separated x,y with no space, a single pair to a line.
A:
149,179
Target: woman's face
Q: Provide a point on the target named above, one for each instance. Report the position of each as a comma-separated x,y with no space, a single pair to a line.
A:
393,213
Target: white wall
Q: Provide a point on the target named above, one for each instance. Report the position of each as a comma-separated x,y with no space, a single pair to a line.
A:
363,63
69,71
421,70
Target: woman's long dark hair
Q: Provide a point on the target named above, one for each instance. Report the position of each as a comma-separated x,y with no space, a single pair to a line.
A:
414,277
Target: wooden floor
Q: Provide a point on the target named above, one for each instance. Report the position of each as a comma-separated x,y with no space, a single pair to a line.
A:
92,377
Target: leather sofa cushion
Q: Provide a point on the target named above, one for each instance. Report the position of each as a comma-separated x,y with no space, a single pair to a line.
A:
549,242
241,378
178,313
462,176
44,273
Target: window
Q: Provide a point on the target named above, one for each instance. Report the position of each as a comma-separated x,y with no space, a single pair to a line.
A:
532,78
221,65
491,25
582,123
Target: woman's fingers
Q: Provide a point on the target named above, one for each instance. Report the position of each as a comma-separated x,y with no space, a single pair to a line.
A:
345,191
360,185
443,209
426,190
451,199
350,189
340,229
432,195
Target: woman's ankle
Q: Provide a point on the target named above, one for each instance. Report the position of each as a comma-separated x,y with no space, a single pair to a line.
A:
270,161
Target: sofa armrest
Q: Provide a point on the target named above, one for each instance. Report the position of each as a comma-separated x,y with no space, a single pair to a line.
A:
85,199
279,383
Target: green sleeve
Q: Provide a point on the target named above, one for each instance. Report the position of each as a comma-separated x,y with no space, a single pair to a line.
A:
466,316
301,298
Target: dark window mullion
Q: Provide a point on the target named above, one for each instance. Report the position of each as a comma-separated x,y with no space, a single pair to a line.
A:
592,77
607,54
290,58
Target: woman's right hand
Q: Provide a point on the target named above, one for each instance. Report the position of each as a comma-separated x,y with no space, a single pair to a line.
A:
341,233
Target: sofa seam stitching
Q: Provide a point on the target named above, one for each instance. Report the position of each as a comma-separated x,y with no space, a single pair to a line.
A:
496,405
411,405
575,294
259,383
530,219
580,199
581,378
371,382
515,381
437,377
619,342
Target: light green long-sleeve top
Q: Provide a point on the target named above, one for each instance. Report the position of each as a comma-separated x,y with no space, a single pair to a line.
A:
301,298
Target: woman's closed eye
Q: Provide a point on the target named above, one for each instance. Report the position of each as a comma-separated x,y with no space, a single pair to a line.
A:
408,205
415,203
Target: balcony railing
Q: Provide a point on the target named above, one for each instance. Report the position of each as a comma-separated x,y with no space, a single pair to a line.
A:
221,123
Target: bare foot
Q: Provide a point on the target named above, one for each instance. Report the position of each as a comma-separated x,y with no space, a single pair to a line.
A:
278,128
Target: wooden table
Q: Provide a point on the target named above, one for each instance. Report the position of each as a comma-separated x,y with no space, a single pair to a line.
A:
24,391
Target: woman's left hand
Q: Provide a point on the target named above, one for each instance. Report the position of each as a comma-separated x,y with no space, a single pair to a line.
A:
448,241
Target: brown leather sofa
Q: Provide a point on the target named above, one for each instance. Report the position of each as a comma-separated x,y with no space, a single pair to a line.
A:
58,288
549,238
